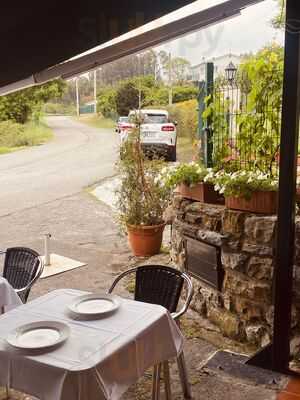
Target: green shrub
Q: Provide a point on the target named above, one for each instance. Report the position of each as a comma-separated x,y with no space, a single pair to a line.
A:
106,102
186,115
184,93
60,109
127,98
13,134
20,106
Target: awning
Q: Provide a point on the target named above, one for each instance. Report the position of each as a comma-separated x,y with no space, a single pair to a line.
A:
149,35
35,35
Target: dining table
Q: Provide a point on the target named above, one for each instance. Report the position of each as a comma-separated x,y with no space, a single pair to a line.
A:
8,296
100,359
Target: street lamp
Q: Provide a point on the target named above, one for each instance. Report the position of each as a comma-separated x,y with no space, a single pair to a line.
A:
230,72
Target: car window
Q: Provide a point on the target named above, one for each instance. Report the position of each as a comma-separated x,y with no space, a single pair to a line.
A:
123,119
155,119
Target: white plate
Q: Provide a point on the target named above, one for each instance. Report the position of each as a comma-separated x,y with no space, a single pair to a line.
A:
94,305
38,335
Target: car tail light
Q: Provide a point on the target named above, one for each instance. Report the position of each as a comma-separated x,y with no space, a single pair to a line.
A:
168,128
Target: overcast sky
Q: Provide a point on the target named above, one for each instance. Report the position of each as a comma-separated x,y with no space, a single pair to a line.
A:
248,32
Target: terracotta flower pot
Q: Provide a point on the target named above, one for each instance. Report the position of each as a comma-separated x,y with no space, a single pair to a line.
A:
145,240
203,192
263,202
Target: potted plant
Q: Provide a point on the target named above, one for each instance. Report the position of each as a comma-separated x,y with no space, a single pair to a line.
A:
142,197
193,181
251,191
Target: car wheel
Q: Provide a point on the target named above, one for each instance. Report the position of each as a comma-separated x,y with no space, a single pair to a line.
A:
172,154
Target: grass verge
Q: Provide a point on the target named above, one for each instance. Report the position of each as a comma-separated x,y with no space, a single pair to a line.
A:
96,122
17,137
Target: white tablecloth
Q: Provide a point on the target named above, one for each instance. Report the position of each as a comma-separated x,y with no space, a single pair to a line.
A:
8,297
101,358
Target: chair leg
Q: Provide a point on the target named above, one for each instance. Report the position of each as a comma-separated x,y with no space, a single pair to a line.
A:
184,377
2,310
156,382
166,369
7,393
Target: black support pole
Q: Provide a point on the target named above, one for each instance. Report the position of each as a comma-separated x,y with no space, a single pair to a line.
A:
283,273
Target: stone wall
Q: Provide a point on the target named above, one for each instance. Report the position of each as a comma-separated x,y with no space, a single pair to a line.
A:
243,309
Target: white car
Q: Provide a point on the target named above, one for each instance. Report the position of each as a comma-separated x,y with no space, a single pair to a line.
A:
158,134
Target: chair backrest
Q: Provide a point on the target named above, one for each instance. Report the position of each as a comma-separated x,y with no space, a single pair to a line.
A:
159,284
21,265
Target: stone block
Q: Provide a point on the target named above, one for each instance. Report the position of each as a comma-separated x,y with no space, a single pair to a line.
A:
193,218
257,334
211,223
249,310
233,223
214,238
234,260
257,249
240,285
228,323
210,210
260,268
295,346
199,303
260,230
232,245
177,202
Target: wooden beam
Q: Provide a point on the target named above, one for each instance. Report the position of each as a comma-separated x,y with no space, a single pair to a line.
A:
283,272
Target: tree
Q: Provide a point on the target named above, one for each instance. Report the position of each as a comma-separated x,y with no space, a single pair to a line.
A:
106,101
278,22
178,66
128,67
179,69
127,98
20,106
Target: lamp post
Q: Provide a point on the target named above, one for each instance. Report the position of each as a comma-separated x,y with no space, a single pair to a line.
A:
230,76
230,73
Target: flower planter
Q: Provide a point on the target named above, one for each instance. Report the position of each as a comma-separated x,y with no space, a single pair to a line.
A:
203,192
264,202
145,240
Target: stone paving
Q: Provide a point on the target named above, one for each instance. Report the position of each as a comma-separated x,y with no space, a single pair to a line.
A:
84,229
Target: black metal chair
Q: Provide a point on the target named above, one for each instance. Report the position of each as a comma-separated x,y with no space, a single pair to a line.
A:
22,268
159,284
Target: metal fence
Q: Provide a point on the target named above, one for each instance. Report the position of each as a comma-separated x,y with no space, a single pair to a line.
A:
243,127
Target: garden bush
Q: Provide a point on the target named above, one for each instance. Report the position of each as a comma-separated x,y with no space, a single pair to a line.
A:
184,93
186,115
13,134
59,109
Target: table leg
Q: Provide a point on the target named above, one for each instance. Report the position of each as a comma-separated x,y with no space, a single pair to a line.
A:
168,392
156,382
184,377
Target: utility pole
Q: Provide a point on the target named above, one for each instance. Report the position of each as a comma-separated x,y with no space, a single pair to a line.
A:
170,81
95,91
77,97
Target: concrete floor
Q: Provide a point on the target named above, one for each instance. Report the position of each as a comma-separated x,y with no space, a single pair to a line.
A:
84,229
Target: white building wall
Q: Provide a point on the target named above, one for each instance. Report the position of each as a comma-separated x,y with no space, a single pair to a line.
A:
220,63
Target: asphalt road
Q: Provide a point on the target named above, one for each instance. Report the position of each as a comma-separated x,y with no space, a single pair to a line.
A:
77,157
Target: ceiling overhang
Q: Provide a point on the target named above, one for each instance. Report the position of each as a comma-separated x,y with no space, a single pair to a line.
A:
150,35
